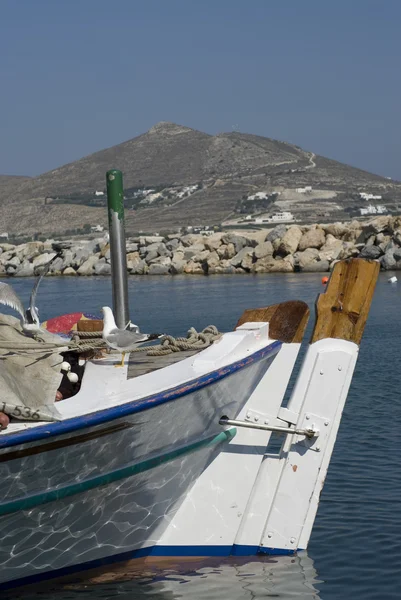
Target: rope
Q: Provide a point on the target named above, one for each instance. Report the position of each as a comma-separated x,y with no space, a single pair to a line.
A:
194,341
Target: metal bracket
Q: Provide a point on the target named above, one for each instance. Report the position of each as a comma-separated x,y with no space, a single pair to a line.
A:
310,432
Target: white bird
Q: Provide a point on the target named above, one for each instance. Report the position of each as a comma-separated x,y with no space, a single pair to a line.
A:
122,340
30,317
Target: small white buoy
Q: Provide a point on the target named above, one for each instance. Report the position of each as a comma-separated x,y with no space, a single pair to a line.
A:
65,366
73,377
393,279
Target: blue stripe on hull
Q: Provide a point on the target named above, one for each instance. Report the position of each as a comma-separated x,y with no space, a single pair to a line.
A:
161,551
109,414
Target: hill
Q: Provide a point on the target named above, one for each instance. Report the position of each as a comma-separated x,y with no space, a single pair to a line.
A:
176,176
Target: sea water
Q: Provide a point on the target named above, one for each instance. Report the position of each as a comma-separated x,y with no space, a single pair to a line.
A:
355,548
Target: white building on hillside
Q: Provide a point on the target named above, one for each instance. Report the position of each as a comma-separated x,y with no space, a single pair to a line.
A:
304,190
366,196
99,193
373,210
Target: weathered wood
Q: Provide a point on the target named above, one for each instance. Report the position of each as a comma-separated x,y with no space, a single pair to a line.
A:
287,320
342,311
90,325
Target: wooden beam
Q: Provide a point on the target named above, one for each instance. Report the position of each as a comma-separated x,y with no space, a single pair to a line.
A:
342,311
287,320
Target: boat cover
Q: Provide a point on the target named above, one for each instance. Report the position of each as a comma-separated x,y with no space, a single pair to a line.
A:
30,376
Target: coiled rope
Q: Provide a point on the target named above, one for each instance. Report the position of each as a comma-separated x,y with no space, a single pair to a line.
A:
84,341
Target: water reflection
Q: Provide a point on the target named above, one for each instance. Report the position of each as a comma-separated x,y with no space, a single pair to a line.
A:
232,578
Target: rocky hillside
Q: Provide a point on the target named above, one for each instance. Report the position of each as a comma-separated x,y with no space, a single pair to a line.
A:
176,176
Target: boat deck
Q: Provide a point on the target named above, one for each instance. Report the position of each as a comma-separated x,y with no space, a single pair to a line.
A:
142,364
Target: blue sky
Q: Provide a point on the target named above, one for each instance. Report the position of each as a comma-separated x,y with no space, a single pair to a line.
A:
81,75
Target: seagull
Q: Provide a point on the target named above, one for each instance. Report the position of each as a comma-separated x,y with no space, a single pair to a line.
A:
30,317
123,340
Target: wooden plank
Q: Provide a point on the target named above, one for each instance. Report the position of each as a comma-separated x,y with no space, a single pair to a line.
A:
287,320
342,311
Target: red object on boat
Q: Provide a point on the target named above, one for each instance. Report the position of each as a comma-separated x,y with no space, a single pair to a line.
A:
66,323
325,280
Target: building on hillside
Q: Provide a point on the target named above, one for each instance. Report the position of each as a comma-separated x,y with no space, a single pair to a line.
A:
304,190
97,229
373,210
4,236
99,193
367,196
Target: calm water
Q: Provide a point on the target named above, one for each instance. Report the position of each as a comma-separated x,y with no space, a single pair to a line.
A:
355,549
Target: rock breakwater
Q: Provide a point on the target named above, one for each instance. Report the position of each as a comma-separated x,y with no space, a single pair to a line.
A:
284,249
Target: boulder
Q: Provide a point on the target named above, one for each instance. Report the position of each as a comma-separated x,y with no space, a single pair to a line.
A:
349,251
213,241
42,260
162,260
132,256
239,257
67,259
7,247
29,250
331,248
190,239
158,269
201,256
105,250
377,225
146,240
102,267
193,268
289,242
57,266
213,260
247,262
263,249
320,266
87,268
173,244
352,234
397,237
238,240
150,256
137,267
25,269
13,262
152,247
129,247
336,230
226,251
397,254
69,271
387,261
276,233
308,256
313,238
81,255
177,263
371,252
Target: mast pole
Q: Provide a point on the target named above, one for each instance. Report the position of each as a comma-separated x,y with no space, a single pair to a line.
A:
118,259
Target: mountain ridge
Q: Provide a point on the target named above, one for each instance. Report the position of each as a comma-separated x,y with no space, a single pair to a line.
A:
227,168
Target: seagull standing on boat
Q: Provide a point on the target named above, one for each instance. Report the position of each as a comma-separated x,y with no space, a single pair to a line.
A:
30,317
122,340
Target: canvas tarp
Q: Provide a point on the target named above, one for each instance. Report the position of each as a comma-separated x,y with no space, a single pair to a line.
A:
29,372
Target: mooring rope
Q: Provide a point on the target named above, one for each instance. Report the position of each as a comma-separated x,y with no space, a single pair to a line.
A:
84,341
194,341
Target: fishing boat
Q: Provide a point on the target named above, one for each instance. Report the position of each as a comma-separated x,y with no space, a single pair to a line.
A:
176,455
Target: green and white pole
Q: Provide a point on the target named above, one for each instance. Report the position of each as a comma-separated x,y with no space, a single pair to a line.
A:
118,258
